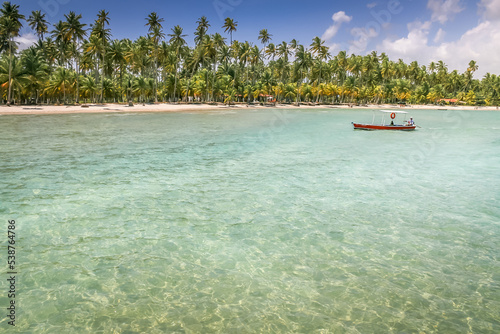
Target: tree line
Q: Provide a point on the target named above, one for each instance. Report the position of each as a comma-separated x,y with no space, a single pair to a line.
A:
73,62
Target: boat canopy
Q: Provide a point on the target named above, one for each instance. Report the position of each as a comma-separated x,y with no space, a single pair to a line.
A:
395,111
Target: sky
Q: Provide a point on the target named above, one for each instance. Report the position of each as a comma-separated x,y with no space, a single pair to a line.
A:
454,31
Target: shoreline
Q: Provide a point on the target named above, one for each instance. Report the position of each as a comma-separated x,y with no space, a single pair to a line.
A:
174,108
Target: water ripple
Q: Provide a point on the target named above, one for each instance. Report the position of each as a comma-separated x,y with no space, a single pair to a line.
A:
201,223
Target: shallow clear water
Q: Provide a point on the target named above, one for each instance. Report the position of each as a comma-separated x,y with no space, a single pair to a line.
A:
253,221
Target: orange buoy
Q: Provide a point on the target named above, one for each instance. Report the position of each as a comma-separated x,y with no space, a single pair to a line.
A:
393,115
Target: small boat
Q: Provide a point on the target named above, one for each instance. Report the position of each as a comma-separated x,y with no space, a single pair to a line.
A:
404,126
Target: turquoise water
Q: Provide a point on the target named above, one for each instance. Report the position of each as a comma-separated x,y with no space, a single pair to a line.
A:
255,221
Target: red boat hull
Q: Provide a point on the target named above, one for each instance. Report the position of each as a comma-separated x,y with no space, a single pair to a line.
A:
358,126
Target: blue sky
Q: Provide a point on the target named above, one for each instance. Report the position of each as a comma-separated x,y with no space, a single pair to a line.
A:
454,31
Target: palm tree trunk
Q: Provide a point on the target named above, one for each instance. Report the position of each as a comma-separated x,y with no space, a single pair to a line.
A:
101,98
319,84
156,81
156,75
10,72
121,84
102,74
189,82
175,79
175,82
96,72
213,81
206,88
77,76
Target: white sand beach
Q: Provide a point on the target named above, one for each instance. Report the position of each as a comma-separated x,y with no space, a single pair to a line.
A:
170,107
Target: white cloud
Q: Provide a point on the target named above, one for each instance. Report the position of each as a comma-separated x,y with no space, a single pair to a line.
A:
330,32
26,40
364,35
439,36
333,48
490,9
411,47
417,25
341,17
371,5
476,44
338,19
443,10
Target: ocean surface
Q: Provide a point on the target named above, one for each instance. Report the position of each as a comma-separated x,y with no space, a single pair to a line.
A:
252,221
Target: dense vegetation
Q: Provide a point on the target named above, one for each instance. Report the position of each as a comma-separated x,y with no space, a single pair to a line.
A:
74,62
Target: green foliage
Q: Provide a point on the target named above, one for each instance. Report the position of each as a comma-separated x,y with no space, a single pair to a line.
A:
73,62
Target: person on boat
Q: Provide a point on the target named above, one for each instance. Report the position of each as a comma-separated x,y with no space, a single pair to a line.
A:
411,122
392,123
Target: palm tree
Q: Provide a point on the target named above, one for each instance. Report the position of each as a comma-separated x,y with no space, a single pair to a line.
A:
109,88
140,87
284,51
244,50
194,59
212,69
322,55
50,52
230,25
153,21
342,66
61,80
414,72
294,44
88,88
213,52
13,73
61,42
75,31
116,54
432,67
94,50
210,51
316,45
36,70
103,18
271,51
470,71
201,30
10,24
177,41
255,58
264,37
38,23
103,35
156,33
304,61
